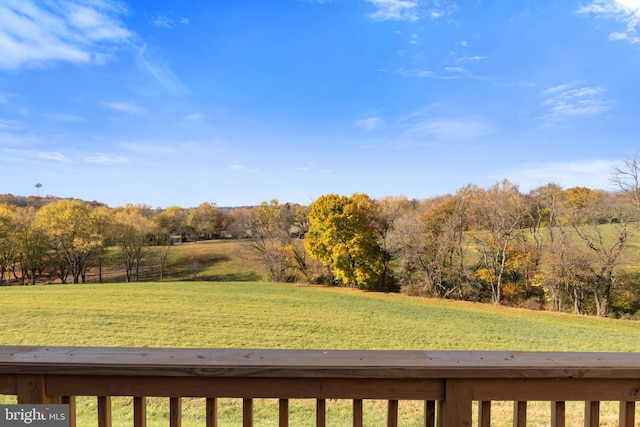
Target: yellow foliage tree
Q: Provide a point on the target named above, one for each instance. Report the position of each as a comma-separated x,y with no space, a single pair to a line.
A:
344,235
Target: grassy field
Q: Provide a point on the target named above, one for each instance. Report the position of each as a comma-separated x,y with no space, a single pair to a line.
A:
270,315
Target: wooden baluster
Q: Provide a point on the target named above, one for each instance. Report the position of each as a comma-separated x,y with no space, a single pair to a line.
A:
627,414
104,411
283,413
429,413
71,401
392,413
357,412
247,412
139,411
557,414
519,414
591,414
440,409
321,413
211,412
484,413
175,412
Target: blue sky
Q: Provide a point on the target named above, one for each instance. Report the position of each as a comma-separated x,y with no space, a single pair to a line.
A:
236,102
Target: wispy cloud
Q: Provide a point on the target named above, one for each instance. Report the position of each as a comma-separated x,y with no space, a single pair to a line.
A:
160,70
585,173
4,97
164,21
568,101
451,129
370,123
242,168
148,148
67,118
53,155
627,12
128,107
450,73
106,159
34,33
394,10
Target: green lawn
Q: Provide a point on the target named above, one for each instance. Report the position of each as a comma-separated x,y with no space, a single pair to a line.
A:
271,315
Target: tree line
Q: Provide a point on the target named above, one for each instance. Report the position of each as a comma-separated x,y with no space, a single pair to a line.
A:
560,249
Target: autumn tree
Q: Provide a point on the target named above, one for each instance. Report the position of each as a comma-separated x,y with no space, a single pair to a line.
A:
173,221
133,228
102,222
272,227
603,228
344,235
443,226
31,244
8,229
71,234
203,221
499,214
389,210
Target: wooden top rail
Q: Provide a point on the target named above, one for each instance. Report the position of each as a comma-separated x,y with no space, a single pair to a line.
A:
388,364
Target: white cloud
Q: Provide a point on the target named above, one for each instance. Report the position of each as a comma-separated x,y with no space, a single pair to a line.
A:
567,101
68,118
594,174
194,117
241,168
627,12
163,21
53,155
394,10
41,33
370,123
105,159
148,148
125,107
160,70
447,129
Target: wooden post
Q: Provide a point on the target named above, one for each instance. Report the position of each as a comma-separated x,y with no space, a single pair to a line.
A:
392,413
71,401
321,413
283,409
212,412
247,412
429,413
458,404
484,413
139,411
31,389
592,413
357,412
627,414
557,414
175,412
104,411
519,414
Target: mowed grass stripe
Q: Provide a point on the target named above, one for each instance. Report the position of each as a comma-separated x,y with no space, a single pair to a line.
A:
271,315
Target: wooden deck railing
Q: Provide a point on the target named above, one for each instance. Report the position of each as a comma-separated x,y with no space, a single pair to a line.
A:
449,382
